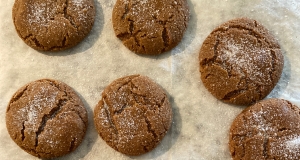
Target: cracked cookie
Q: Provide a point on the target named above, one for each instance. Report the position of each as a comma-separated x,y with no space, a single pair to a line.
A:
133,115
240,62
269,129
46,118
150,26
49,25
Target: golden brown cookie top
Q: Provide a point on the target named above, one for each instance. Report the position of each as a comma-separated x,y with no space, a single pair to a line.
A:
46,118
150,26
269,129
133,115
49,25
240,62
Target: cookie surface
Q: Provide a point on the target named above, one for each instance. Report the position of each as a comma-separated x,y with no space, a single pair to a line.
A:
49,25
240,62
269,129
150,26
46,118
133,115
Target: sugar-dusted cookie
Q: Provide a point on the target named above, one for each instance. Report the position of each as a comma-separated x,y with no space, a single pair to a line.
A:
269,129
49,25
150,26
46,118
240,62
133,115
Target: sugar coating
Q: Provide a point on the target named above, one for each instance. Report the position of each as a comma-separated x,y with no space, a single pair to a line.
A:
240,62
242,58
53,25
149,26
46,119
36,106
133,115
267,130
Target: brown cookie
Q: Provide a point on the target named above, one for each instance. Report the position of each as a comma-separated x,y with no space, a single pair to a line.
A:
240,62
133,115
49,25
46,118
150,26
269,129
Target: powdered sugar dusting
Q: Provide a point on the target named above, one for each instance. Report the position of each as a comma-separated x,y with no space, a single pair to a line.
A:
294,143
41,13
78,3
129,129
246,58
81,7
44,99
264,128
259,122
287,147
105,116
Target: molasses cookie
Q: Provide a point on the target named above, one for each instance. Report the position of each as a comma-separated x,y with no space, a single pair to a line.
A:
269,129
46,118
150,26
49,25
133,115
240,62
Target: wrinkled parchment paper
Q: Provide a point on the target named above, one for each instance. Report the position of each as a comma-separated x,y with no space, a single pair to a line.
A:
200,124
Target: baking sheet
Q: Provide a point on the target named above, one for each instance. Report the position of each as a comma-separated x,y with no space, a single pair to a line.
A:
201,123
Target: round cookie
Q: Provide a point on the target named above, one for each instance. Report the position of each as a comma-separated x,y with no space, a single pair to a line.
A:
133,115
48,25
269,129
46,119
150,26
240,62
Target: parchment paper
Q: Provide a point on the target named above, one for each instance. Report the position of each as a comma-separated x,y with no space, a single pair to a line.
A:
201,123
